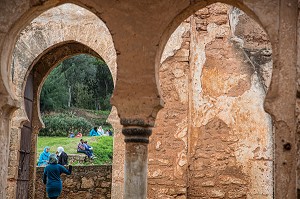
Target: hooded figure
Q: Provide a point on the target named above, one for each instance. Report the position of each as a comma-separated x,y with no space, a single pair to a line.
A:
93,132
44,157
51,177
62,156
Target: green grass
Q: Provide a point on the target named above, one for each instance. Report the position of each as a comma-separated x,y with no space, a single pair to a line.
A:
102,146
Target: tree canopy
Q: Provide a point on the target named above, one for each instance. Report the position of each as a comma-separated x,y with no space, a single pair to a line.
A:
82,81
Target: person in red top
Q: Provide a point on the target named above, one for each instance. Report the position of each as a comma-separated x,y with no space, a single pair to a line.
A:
79,135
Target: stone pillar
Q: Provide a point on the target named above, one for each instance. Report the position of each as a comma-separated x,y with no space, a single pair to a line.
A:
117,186
33,161
7,107
136,160
281,101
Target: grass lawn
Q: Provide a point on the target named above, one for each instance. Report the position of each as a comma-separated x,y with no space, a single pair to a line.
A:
102,146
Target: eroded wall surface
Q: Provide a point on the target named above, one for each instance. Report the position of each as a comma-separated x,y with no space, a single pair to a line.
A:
167,177
213,138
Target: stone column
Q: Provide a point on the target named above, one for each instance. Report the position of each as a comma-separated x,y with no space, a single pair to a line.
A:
7,107
117,186
136,160
281,99
33,161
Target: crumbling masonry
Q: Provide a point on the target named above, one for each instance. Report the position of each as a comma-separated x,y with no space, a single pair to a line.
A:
213,68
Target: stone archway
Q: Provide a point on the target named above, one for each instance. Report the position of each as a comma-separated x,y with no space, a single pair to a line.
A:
50,38
136,37
40,71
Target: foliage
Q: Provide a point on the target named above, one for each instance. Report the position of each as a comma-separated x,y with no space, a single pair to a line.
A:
74,119
84,98
81,81
99,112
103,150
61,124
54,94
102,146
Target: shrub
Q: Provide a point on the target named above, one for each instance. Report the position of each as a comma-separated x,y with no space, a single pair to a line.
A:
61,124
103,150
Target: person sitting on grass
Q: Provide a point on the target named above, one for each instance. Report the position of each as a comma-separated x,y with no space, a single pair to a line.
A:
100,131
62,156
110,133
71,135
89,148
79,135
81,149
44,157
94,132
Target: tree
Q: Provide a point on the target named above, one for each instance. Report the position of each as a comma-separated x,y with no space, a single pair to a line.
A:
54,93
81,81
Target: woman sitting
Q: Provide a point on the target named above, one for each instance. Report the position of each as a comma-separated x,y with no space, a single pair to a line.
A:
94,132
62,156
44,157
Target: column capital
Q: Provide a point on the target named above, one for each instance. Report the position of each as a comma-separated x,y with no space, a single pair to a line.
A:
137,134
136,122
8,105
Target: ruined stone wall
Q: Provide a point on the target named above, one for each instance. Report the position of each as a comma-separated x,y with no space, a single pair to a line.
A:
85,182
118,157
298,107
213,138
231,152
167,177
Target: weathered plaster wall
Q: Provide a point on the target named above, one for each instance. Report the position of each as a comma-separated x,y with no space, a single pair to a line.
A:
118,157
231,152
213,138
298,107
87,182
167,177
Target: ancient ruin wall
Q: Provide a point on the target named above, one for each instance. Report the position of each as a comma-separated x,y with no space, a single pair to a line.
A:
231,152
213,134
86,182
167,176
298,109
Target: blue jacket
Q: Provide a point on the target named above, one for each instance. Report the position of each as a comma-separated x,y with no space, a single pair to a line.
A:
52,178
44,157
93,133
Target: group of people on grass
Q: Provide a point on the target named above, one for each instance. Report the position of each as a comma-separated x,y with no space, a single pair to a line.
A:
72,135
61,156
54,166
100,132
94,132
